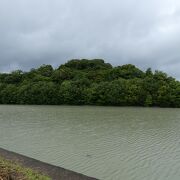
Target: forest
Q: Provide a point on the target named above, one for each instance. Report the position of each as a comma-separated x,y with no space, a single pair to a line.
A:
90,82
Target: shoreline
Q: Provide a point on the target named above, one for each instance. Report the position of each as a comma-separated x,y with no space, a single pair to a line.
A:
88,105
54,172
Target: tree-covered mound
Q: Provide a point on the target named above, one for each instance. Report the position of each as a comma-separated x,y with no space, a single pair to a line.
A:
90,82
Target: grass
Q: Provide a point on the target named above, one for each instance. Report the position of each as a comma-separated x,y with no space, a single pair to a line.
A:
12,171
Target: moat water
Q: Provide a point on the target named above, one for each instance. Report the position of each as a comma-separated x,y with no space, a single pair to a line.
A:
109,143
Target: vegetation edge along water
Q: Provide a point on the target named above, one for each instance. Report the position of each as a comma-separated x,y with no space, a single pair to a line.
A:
12,171
90,82
14,166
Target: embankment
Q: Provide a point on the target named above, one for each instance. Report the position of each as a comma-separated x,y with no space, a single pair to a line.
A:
54,172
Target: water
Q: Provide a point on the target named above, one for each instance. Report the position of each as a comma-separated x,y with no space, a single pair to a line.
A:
103,142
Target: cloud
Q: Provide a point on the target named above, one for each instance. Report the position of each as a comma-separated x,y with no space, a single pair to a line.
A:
144,33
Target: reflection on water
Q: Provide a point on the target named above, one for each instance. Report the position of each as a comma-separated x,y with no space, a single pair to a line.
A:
104,142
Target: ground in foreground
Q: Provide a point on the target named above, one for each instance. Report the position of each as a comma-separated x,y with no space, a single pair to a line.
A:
11,171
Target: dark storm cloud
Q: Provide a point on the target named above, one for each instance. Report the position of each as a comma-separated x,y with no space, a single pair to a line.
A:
144,33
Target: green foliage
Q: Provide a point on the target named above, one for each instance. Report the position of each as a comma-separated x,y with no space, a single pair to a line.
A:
11,170
45,70
38,93
149,72
84,64
61,74
148,101
92,82
126,71
14,78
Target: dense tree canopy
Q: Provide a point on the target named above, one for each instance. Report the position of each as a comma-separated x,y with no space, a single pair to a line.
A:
90,82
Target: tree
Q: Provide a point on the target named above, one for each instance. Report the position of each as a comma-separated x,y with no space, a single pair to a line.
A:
84,64
149,72
71,93
38,93
95,82
148,101
45,70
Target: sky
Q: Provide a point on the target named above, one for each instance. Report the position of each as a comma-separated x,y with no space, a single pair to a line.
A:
145,33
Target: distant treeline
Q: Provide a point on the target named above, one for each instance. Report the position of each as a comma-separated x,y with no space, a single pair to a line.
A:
90,82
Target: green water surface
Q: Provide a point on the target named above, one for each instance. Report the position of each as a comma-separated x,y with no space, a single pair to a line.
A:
109,143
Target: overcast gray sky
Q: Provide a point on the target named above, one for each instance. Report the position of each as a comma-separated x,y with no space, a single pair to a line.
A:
142,32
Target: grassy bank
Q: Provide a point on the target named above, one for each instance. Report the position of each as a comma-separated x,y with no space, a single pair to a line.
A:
12,171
